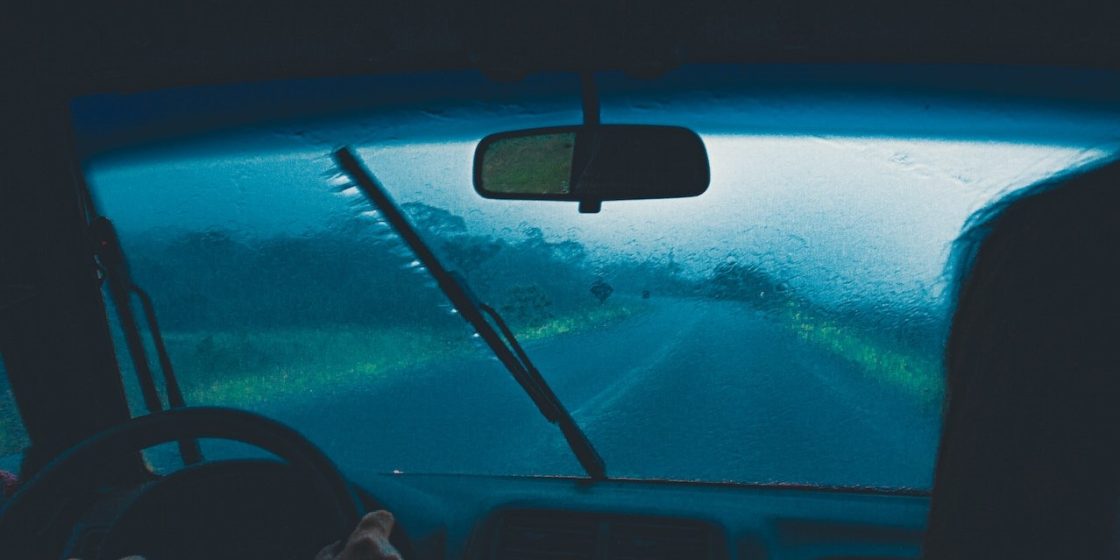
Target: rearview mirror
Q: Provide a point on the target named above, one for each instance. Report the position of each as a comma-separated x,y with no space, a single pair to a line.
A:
592,163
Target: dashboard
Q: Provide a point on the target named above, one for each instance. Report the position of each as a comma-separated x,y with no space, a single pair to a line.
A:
531,518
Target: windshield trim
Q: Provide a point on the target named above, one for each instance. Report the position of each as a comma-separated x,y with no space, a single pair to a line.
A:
715,484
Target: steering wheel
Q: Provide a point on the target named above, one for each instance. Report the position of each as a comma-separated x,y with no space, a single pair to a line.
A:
24,519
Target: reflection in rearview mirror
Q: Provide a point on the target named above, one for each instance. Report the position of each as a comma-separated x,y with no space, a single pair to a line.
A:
539,164
592,163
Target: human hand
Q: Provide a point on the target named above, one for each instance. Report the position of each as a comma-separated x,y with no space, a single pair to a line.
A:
369,541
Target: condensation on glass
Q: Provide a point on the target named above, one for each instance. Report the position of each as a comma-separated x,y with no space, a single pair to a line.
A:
13,437
786,326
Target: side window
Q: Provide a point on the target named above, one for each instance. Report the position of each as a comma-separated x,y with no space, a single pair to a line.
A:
13,438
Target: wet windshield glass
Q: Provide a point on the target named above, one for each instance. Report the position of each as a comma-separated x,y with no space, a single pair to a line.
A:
786,326
13,438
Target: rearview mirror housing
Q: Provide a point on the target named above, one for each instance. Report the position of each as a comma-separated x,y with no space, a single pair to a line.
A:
590,164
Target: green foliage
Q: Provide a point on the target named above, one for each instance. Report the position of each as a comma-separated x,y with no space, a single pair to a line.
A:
913,371
530,164
601,290
205,280
248,367
902,352
289,363
252,319
733,280
211,281
526,305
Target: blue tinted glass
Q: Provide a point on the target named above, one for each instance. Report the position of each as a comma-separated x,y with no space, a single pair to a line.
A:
786,326
13,438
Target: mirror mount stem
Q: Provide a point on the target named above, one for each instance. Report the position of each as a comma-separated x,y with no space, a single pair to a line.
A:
590,93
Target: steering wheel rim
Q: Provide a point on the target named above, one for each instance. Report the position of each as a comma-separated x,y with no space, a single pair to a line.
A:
19,526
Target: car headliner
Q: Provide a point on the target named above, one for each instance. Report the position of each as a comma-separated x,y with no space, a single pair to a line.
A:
90,47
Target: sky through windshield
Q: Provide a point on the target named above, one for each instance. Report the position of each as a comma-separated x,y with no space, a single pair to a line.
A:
785,326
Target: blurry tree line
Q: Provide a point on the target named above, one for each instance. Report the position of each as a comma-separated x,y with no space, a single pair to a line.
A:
353,274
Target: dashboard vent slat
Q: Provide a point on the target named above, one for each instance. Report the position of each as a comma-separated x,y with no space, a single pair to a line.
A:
543,536
655,540
549,535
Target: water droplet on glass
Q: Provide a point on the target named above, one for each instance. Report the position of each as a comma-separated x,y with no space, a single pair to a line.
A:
333,175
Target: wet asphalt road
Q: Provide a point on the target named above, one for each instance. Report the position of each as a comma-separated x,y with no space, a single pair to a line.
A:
694,389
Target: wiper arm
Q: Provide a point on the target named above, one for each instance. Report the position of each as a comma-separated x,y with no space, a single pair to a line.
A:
507,349
107,248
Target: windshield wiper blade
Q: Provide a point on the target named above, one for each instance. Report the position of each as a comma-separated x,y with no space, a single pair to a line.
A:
507,349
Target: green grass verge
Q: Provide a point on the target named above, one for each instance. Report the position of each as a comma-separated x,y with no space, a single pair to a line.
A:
250,368
913,372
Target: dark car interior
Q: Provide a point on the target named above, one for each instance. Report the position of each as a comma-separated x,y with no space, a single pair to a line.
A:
86,493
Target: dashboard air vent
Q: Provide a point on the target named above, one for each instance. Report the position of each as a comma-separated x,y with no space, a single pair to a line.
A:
568,535
546,536
653,540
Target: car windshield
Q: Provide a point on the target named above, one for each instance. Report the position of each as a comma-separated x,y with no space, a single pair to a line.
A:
784,327
12,436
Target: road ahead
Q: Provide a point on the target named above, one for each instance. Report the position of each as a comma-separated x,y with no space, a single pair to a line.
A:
702,390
